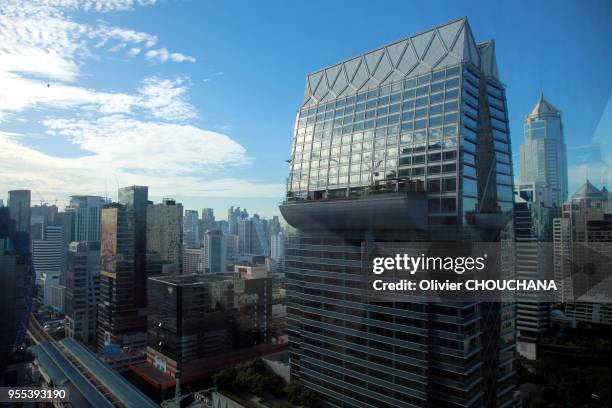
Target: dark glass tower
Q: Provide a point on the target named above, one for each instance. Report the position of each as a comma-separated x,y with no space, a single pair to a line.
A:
405,143
121,312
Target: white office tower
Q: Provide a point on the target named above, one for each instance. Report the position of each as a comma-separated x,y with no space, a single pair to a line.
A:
543,156
47,252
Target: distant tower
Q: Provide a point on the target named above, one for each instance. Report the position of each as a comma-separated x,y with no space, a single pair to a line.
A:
544,154
19,207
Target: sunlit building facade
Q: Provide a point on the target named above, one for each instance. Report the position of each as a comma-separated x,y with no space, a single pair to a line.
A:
544,154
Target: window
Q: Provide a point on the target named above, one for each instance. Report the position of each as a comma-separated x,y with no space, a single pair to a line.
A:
448,205
421,102
469,158
423,90
395,108
420,113
434,205
469,171
410,83
405,161
436,109
470,187
449,168
504,192
452,83
435,121
411,93
449,184
450,118
469,146
437,76
434,157
450,72
437,98
407,116
420,124
433,186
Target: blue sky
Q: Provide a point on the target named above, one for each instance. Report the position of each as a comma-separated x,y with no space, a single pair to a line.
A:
197,99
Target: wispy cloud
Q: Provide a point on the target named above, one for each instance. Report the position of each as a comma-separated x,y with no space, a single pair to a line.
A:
141,135
163,55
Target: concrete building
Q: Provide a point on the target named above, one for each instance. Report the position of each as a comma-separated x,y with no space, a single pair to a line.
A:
277,253
82,290
193,317
48,253
583,255
192,260
165,235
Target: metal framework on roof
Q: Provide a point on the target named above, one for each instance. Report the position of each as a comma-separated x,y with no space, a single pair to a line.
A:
442,46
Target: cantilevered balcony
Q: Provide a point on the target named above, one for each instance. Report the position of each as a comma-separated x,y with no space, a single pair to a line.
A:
389,206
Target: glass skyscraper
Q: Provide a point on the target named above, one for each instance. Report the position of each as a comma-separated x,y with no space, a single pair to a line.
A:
405,143
544,154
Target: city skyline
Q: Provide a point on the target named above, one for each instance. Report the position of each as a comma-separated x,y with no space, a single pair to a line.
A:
69,126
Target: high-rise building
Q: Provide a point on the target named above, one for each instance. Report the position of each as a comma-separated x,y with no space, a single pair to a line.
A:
253,239
191,233
19,206
85,211
233,216
233,247
544,154
214,256
277,252
404,143
534,260
46,281
192,261
82,290
48,252
121,311
41,215
583,254
15,281
165,235
192,317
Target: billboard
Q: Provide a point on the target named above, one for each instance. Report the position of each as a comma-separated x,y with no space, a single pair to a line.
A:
108,243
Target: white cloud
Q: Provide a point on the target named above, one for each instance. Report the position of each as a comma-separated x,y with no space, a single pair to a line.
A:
163,55
134,51
171,159
166,99
43,39
140,136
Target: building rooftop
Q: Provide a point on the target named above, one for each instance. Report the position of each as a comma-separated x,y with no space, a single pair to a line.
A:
442,46
588,191
544,108
195,279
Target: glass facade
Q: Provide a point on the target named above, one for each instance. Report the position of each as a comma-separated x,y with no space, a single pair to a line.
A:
121,312
444,133
424,128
